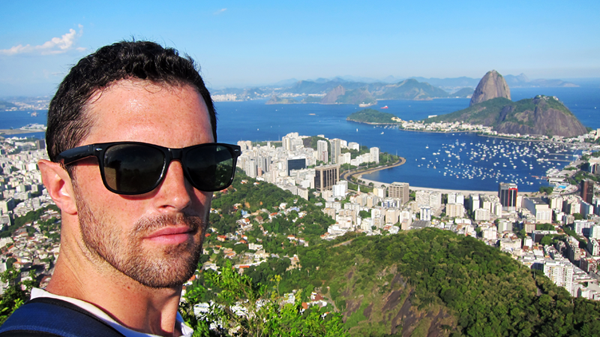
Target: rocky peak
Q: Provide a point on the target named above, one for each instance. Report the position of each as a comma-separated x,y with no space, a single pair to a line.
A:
333,95
492,85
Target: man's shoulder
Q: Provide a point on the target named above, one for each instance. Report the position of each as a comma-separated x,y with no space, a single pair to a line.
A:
45,316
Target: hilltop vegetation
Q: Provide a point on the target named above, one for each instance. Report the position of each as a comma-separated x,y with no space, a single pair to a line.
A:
542,115
435,280
372,116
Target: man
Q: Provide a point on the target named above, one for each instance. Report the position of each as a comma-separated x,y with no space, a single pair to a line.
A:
133,164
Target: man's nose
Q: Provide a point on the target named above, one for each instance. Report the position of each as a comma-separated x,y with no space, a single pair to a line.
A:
174,191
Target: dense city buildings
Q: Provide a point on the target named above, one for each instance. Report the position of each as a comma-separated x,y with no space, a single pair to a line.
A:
504,219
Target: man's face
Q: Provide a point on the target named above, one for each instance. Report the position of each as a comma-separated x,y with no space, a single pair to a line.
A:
153,238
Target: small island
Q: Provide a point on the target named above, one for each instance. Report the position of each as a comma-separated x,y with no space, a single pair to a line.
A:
372,116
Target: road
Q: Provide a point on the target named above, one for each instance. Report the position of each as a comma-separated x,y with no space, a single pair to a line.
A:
357,173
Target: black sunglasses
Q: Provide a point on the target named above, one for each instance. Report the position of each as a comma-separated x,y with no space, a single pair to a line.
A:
136,168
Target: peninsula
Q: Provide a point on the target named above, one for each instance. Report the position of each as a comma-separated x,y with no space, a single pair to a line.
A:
491,107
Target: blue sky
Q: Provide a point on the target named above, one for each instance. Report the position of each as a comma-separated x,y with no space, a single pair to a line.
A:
240,43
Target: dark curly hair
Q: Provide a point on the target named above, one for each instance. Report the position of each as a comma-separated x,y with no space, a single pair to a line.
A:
67,120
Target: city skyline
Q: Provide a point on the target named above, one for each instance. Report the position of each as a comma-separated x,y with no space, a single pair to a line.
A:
239,44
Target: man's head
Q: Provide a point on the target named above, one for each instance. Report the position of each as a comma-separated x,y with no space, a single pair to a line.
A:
68,122
142,94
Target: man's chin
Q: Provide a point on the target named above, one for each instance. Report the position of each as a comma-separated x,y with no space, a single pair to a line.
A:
174,266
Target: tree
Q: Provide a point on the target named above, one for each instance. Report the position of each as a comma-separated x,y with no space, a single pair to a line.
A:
546,240
17,292
241,308
364,214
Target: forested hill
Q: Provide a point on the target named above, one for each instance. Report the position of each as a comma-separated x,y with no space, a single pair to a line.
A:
372,116
542,115
431,282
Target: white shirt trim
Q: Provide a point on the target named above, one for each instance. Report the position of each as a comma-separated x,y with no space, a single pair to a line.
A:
37,292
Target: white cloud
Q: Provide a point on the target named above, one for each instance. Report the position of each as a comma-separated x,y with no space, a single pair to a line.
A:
56,45
220,11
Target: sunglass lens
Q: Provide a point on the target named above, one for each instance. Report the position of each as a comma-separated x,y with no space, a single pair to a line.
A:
210,167
132,168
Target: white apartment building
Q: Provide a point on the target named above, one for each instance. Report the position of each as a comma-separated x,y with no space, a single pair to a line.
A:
482,214
425,213
561,273
374,155
455,210
539,209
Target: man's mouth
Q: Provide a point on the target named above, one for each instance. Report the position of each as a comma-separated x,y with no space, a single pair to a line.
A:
171,235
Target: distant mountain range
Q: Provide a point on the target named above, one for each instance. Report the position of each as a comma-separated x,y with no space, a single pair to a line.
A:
369,90
343,92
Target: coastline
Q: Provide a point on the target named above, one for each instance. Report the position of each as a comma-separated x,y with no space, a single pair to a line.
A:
18,131
358,173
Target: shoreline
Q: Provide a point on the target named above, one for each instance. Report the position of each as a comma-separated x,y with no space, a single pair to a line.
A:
358,173
19,131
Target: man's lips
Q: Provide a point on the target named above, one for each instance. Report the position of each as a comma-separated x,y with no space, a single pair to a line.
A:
171,235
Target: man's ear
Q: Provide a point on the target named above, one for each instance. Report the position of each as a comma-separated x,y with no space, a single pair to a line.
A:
59,185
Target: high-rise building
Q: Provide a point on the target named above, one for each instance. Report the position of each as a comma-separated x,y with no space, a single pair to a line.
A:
326,177
374,154
286,141
264,163
507,192
587,190
474,202
425,213
400,191
322,153
336,150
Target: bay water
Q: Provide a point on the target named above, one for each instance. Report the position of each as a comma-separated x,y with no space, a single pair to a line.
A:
461,161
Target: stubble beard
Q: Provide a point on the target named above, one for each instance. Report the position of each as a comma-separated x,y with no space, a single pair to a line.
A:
165,266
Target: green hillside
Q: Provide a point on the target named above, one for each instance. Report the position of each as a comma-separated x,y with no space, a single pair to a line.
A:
541,115
371,116
436,280
485,113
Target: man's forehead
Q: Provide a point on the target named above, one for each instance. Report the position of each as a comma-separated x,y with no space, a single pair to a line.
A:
134,107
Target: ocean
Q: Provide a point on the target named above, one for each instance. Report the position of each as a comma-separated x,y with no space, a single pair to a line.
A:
450,161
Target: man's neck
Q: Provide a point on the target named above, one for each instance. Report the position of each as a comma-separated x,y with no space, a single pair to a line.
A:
128,302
